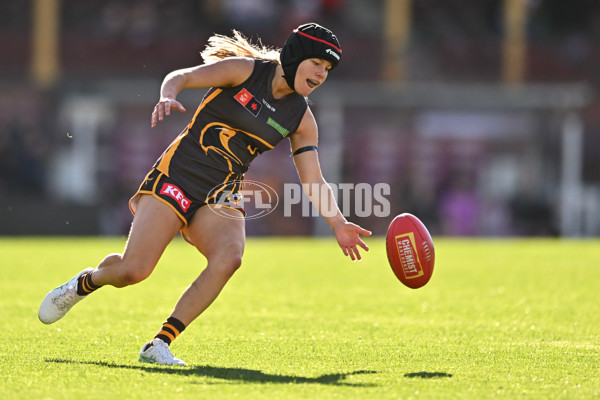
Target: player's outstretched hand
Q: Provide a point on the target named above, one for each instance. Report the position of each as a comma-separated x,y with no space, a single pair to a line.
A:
163,108
348,237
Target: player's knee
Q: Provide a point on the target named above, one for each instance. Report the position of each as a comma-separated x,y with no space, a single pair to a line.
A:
227,264
231,263
235,262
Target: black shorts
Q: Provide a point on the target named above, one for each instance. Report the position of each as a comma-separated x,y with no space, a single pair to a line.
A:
181,202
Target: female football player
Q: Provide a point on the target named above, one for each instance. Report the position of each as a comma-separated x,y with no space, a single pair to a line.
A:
257,97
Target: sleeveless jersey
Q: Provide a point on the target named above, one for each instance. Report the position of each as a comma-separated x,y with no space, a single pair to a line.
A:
230,128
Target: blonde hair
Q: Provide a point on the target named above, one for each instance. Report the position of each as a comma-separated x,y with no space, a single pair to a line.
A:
220,47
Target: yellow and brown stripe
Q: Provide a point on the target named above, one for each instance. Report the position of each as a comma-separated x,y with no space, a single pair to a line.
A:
165,161
170,330
85,285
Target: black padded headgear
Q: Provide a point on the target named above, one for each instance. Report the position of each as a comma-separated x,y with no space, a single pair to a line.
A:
308,41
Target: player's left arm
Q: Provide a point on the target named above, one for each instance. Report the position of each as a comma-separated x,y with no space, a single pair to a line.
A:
319,192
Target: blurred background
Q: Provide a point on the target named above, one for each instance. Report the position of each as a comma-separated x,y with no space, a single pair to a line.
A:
482,115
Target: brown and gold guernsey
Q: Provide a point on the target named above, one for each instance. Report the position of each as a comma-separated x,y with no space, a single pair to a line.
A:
230,128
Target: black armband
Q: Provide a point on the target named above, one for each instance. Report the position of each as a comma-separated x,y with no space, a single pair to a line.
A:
303,149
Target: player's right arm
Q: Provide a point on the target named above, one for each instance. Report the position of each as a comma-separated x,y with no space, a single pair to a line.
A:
225,73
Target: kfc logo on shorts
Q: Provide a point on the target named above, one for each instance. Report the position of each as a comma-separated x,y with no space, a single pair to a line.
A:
177,195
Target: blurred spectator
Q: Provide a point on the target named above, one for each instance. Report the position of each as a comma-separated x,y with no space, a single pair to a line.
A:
459,206
143,25
251,15
25,142
450,41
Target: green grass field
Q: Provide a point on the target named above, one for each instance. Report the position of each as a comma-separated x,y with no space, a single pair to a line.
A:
500,319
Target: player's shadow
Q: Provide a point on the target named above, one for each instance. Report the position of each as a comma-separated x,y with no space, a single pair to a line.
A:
427,375
231,374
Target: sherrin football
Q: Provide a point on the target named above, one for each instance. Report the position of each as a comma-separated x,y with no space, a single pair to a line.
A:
410,250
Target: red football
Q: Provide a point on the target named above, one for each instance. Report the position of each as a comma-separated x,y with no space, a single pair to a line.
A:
410,250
